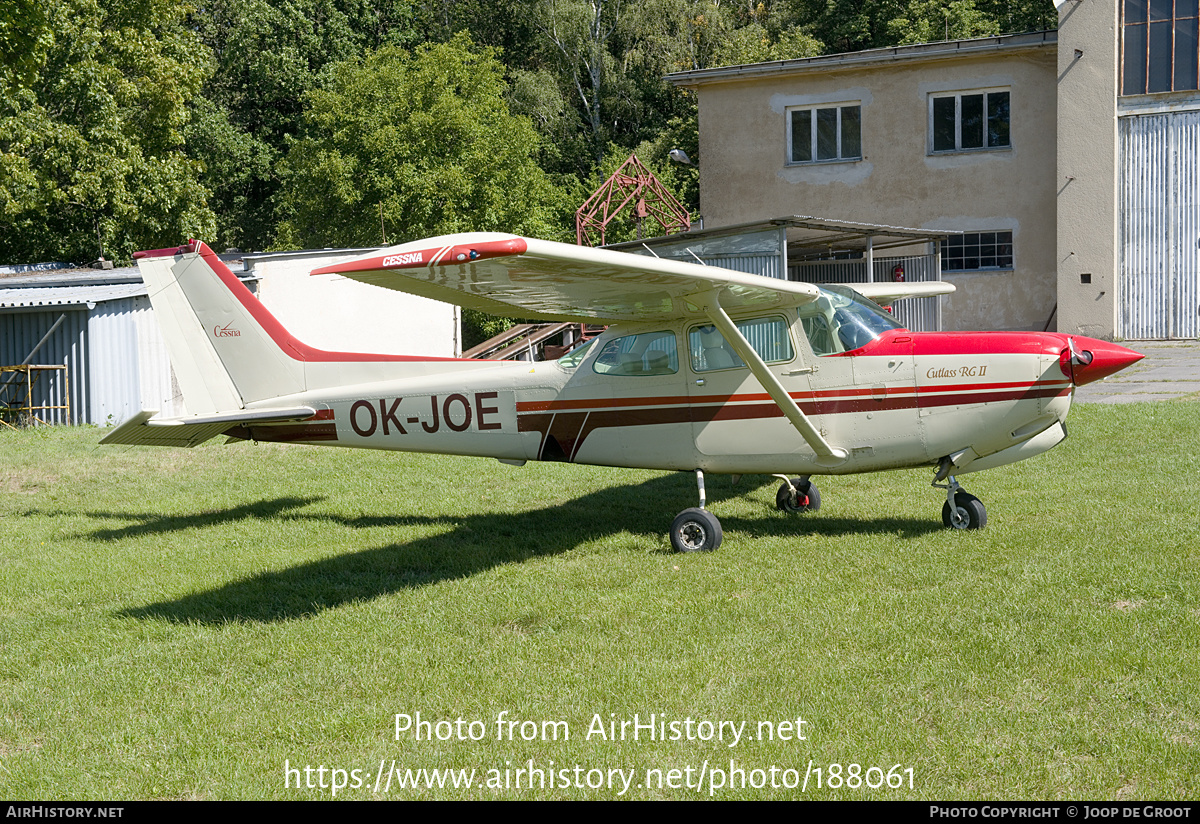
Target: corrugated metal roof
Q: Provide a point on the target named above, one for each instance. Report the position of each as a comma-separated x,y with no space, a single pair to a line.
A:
77,287
68,295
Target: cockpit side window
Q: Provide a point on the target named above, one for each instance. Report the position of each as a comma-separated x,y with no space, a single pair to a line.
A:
840,320
650,353
767,336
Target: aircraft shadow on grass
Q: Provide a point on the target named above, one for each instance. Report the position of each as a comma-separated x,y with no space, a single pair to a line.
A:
475,543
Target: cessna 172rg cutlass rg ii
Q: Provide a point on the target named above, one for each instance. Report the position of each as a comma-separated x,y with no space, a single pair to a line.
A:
702,369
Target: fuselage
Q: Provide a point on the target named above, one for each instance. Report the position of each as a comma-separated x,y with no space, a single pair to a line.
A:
668,396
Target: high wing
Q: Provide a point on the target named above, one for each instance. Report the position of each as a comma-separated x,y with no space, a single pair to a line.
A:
508,275
884,292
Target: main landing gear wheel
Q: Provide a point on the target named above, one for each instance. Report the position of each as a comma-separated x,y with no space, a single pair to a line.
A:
807,497
696,530
968,512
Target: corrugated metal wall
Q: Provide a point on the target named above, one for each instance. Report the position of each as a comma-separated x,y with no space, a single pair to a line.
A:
1160,226
113,363
116,360
767,265
21,331
918,314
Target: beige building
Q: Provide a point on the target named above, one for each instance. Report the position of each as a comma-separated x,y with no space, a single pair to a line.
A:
1025,144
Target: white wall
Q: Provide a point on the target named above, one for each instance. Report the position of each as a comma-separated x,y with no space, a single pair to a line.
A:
338,314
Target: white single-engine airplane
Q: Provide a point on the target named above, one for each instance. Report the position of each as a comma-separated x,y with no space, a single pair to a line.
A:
702,369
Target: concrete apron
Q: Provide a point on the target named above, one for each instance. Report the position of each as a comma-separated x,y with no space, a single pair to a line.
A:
1170,370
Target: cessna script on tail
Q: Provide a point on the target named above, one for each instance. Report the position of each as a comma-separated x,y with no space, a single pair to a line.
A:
701,369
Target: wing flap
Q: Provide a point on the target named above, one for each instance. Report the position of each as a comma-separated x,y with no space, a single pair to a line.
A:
509,275
143,429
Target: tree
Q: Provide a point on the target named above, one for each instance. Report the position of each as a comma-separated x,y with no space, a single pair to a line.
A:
850,25
269,54
414,144
924,21
24,36
580,31
91,134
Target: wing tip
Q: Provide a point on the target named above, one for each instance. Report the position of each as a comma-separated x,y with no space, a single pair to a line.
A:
462,250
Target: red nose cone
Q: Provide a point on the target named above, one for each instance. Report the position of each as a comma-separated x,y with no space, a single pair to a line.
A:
1106,359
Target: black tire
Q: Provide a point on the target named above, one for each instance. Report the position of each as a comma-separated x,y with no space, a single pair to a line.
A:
971,512
696,530
808,497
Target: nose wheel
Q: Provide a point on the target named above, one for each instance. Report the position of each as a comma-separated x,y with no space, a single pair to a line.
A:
962,510
967,512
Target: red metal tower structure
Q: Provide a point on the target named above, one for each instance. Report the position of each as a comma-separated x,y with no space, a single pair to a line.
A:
631,183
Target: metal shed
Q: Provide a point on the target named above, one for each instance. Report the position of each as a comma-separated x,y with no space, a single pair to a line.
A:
1160,225
100,326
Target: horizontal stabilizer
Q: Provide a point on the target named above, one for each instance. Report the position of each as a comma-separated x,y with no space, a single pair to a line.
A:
143,429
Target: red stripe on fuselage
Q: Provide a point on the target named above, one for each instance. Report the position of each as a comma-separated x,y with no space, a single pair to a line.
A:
902,342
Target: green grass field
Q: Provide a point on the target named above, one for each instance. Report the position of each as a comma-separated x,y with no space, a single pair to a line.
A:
190,623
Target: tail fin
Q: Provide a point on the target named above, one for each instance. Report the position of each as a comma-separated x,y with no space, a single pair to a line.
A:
226,348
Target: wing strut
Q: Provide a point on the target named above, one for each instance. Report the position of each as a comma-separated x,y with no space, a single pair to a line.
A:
826,455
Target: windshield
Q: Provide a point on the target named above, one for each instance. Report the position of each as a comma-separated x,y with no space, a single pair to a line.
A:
841,320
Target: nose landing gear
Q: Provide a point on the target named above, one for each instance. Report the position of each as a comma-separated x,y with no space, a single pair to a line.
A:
962,510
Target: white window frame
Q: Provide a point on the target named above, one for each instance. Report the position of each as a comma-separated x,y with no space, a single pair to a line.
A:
838,106
958,96
1012,249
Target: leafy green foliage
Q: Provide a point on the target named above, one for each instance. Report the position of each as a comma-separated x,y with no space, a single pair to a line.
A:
413,144
91,141
270,54
922,21
128,124
849,25
24,36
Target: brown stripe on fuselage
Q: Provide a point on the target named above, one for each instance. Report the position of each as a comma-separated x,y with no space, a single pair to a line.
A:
571,429
289,432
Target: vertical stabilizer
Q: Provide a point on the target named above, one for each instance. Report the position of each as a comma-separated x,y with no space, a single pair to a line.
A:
218,335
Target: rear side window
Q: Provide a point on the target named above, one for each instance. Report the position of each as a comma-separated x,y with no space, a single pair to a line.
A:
650,353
